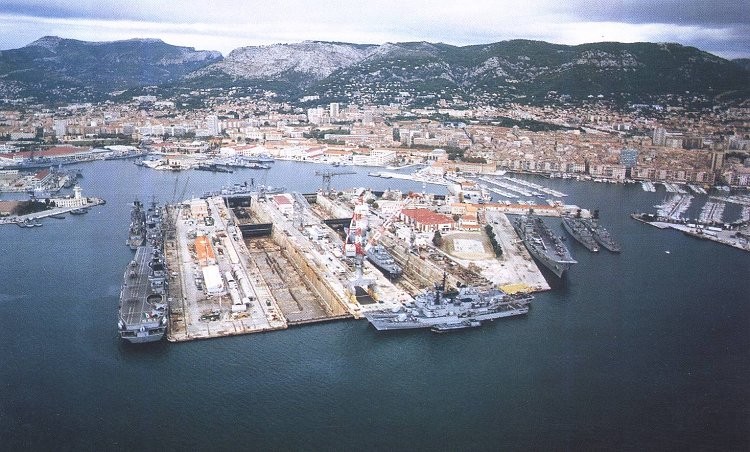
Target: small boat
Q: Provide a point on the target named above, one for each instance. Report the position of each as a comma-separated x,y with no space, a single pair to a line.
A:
81,211
29,224
58,216
448,327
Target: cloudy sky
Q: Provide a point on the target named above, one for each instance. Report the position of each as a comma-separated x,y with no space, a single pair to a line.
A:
721,27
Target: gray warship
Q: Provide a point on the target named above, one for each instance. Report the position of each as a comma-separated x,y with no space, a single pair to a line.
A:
143,308
137,231
601,234
384,262
578,228
546,247
443,311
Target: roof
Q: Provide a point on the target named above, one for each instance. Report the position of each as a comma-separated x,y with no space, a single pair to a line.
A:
203,250
56,151
281,200
426,216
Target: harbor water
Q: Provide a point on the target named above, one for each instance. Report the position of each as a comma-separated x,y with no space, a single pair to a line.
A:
639,350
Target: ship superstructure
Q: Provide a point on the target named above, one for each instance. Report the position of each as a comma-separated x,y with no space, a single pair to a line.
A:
601,234
137,230
382,259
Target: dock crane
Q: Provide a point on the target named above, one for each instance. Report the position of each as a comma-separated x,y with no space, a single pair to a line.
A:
328,175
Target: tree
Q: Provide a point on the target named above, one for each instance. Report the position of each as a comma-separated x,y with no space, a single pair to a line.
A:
437,239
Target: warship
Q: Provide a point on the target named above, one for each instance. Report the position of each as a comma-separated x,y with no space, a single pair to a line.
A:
601,234
577,228
143,308
442,311
384,262
543,244
244,189
137,231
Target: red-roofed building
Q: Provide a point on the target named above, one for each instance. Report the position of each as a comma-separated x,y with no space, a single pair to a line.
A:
284,204
41,178
426,220
468,222
56,151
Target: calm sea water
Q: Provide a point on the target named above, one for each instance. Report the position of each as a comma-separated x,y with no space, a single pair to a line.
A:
643,350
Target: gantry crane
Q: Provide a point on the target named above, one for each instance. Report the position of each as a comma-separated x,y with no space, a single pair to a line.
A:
328,175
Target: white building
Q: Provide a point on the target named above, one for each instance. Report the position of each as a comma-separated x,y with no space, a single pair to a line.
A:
212,125
377,157
333,110
60,127
315,115
284,203
76,201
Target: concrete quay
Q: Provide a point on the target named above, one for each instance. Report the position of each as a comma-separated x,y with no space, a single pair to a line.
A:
16,219
215,291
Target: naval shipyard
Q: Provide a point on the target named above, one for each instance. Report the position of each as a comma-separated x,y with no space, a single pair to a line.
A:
253,260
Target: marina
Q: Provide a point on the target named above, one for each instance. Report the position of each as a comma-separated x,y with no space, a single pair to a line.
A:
674,207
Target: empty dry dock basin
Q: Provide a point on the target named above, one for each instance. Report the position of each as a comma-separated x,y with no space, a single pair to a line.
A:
232,286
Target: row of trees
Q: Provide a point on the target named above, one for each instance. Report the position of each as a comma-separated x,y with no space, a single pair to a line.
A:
493,241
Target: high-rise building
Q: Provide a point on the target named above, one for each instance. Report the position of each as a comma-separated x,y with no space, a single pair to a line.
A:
717,159
315,115
660,136
212,125
60,126
367,118
333,111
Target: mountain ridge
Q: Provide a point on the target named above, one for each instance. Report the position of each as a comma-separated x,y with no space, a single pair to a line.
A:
504,71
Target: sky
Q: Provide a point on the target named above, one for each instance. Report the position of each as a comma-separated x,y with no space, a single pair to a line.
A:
721,27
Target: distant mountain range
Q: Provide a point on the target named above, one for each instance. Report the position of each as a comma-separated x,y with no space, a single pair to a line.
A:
53,69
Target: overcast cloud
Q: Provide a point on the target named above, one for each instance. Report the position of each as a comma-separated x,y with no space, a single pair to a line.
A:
721,27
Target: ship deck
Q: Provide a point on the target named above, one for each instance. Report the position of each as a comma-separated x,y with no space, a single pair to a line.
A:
133,302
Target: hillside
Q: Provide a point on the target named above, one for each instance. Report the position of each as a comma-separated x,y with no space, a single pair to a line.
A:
53,68
415,73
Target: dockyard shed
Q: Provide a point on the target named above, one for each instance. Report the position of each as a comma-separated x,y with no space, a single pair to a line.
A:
212,278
